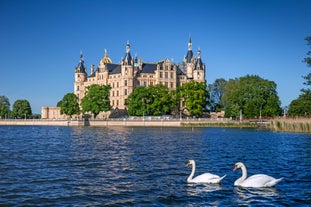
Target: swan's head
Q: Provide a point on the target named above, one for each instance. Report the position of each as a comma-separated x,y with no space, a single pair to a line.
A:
237,165
190,162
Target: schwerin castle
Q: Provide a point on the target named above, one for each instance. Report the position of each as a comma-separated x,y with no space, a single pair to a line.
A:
130,73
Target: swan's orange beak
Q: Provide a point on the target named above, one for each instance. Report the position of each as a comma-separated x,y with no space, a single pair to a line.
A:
234,167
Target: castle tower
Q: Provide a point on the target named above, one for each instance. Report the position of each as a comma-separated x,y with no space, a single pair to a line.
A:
80,78
189,61
199,69
127,76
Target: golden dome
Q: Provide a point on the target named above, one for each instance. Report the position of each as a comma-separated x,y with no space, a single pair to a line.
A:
105,59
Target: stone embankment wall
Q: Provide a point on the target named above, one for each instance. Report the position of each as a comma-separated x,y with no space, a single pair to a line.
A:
49,122
134,122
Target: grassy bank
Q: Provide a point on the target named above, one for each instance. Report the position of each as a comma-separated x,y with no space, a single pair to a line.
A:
230,124
300,125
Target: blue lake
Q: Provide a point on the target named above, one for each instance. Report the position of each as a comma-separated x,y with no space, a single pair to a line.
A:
94,166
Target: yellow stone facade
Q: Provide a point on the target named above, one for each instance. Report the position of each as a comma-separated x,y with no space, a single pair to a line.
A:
130,73
52,113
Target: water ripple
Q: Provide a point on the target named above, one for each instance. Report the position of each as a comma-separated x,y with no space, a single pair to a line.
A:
90,166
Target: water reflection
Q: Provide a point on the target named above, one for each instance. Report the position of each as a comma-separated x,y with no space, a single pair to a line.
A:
255,195
194,189
89,166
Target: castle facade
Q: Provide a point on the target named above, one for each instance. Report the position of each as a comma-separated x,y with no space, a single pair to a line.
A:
132,72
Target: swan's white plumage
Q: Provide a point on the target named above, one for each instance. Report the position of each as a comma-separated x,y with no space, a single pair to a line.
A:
255,181
203,178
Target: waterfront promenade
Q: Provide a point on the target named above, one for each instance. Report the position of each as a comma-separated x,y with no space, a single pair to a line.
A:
118,122
300,125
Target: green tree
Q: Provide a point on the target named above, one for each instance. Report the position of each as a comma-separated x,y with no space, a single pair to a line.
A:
21,109
301,105
231,100
307,60
152,100
4,107
160,99
137,102
69,105
194,96
254,96
96,99
217,91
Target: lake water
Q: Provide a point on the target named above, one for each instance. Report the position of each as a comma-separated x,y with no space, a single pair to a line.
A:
93,166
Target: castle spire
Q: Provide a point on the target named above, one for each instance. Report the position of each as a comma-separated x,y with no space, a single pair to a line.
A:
81,68
199,64
190,44
81,57
189,55
128,47
128,58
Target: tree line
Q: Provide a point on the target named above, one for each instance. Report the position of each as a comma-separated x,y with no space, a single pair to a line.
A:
152,100
21,109
249,96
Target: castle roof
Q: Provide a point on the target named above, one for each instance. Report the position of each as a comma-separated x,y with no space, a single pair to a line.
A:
189,55
113,68
149,67
81,68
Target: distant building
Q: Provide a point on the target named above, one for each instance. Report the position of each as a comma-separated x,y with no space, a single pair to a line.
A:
132,72
51,113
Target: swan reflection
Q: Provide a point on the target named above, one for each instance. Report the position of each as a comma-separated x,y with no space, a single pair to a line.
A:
197,189
251,195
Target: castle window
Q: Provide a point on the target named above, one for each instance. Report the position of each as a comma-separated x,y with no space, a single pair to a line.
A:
172,85
172,75
112,93
125,92
166,67
117,93
166,84
151,83
161,75
166,75
78,88
145,84
125,82
117,84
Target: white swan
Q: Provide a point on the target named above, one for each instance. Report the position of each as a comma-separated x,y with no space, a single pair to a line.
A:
204,178
254,181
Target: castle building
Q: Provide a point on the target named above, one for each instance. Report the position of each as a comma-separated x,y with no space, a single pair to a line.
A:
132,72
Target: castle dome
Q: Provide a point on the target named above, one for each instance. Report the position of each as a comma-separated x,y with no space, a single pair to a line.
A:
105,59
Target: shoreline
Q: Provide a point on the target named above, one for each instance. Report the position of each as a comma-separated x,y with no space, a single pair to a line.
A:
132,123
296,125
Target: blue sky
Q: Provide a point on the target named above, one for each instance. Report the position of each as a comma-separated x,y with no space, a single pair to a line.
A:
40,41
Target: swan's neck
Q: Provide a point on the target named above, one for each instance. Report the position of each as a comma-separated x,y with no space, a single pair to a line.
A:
243,177
192,173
